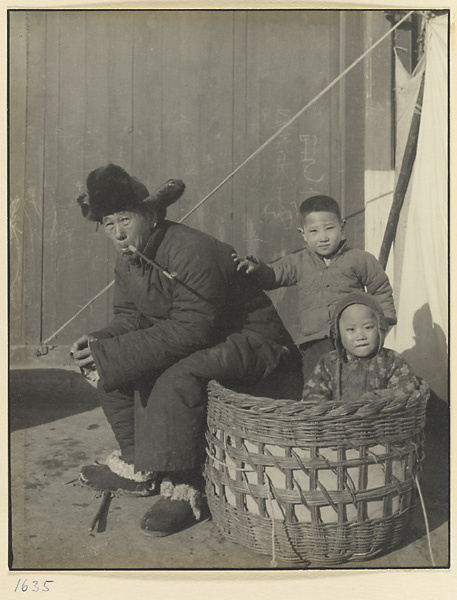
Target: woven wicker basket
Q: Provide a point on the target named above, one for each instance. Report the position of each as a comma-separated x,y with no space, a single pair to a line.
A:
314,484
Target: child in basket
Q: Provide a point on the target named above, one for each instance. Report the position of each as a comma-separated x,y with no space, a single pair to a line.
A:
360,362
325,270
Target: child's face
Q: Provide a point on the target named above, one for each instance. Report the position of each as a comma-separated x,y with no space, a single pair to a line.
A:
359,331
323,232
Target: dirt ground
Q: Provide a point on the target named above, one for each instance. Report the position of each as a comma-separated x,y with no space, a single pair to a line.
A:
57,426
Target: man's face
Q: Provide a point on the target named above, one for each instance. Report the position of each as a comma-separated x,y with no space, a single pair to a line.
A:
359,331
128,228
323,232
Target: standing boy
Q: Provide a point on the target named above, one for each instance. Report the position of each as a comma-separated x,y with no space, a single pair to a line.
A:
325,270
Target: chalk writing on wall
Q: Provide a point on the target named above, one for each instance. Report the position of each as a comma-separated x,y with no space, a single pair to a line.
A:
15,238
308,156
282,206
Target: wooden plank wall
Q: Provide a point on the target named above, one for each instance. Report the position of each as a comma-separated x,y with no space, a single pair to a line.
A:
186,94
17,115
288,52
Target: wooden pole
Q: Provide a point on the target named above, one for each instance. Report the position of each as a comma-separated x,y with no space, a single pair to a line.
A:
404,176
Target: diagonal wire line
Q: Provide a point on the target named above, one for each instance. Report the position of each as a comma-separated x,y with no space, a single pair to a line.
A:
299,114
256,152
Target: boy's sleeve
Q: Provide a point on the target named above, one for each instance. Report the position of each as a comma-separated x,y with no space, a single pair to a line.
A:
280,273
400,376
375,279
318,386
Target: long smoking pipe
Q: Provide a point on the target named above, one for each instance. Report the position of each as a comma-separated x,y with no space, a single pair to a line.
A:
172,275
153,263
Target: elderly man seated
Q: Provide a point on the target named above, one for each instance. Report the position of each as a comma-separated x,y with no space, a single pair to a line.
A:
182,315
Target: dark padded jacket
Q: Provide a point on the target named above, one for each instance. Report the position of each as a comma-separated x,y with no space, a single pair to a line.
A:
158,321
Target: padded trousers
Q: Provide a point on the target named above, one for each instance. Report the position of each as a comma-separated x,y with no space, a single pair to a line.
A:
159,423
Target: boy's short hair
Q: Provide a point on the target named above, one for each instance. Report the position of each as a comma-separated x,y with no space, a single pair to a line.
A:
319,204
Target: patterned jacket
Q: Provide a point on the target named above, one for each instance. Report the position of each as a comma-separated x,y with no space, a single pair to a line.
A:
387,370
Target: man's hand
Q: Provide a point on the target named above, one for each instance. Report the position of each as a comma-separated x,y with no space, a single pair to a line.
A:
249,263
91,376
80,351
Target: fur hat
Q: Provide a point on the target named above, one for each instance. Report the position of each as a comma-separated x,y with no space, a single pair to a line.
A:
111,189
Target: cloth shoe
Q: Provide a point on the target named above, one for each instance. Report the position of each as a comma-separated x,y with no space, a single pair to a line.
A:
118,477
178,507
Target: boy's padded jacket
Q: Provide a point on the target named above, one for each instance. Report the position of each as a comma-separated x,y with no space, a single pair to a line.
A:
321,286
158,320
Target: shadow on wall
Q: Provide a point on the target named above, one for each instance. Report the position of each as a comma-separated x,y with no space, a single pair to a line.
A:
38,396
429,359
429,355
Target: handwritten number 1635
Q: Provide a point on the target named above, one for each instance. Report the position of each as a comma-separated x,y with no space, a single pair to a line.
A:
34,587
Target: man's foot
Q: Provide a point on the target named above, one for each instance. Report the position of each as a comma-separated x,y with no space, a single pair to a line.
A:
118,477
178,508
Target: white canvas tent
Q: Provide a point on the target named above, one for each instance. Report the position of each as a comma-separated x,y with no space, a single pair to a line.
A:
418,265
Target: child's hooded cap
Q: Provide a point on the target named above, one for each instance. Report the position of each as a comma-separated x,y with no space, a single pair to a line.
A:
358,298
111,189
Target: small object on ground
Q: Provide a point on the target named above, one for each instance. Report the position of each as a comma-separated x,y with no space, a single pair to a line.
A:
102,513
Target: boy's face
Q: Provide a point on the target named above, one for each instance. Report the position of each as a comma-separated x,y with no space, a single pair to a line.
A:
359,331
323,232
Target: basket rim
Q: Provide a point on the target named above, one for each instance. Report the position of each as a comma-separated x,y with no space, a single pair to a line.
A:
370,405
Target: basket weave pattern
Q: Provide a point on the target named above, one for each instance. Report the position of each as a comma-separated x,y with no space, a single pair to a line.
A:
320,484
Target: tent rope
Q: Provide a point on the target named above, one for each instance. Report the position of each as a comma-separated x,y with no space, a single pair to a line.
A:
255,153
427,528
